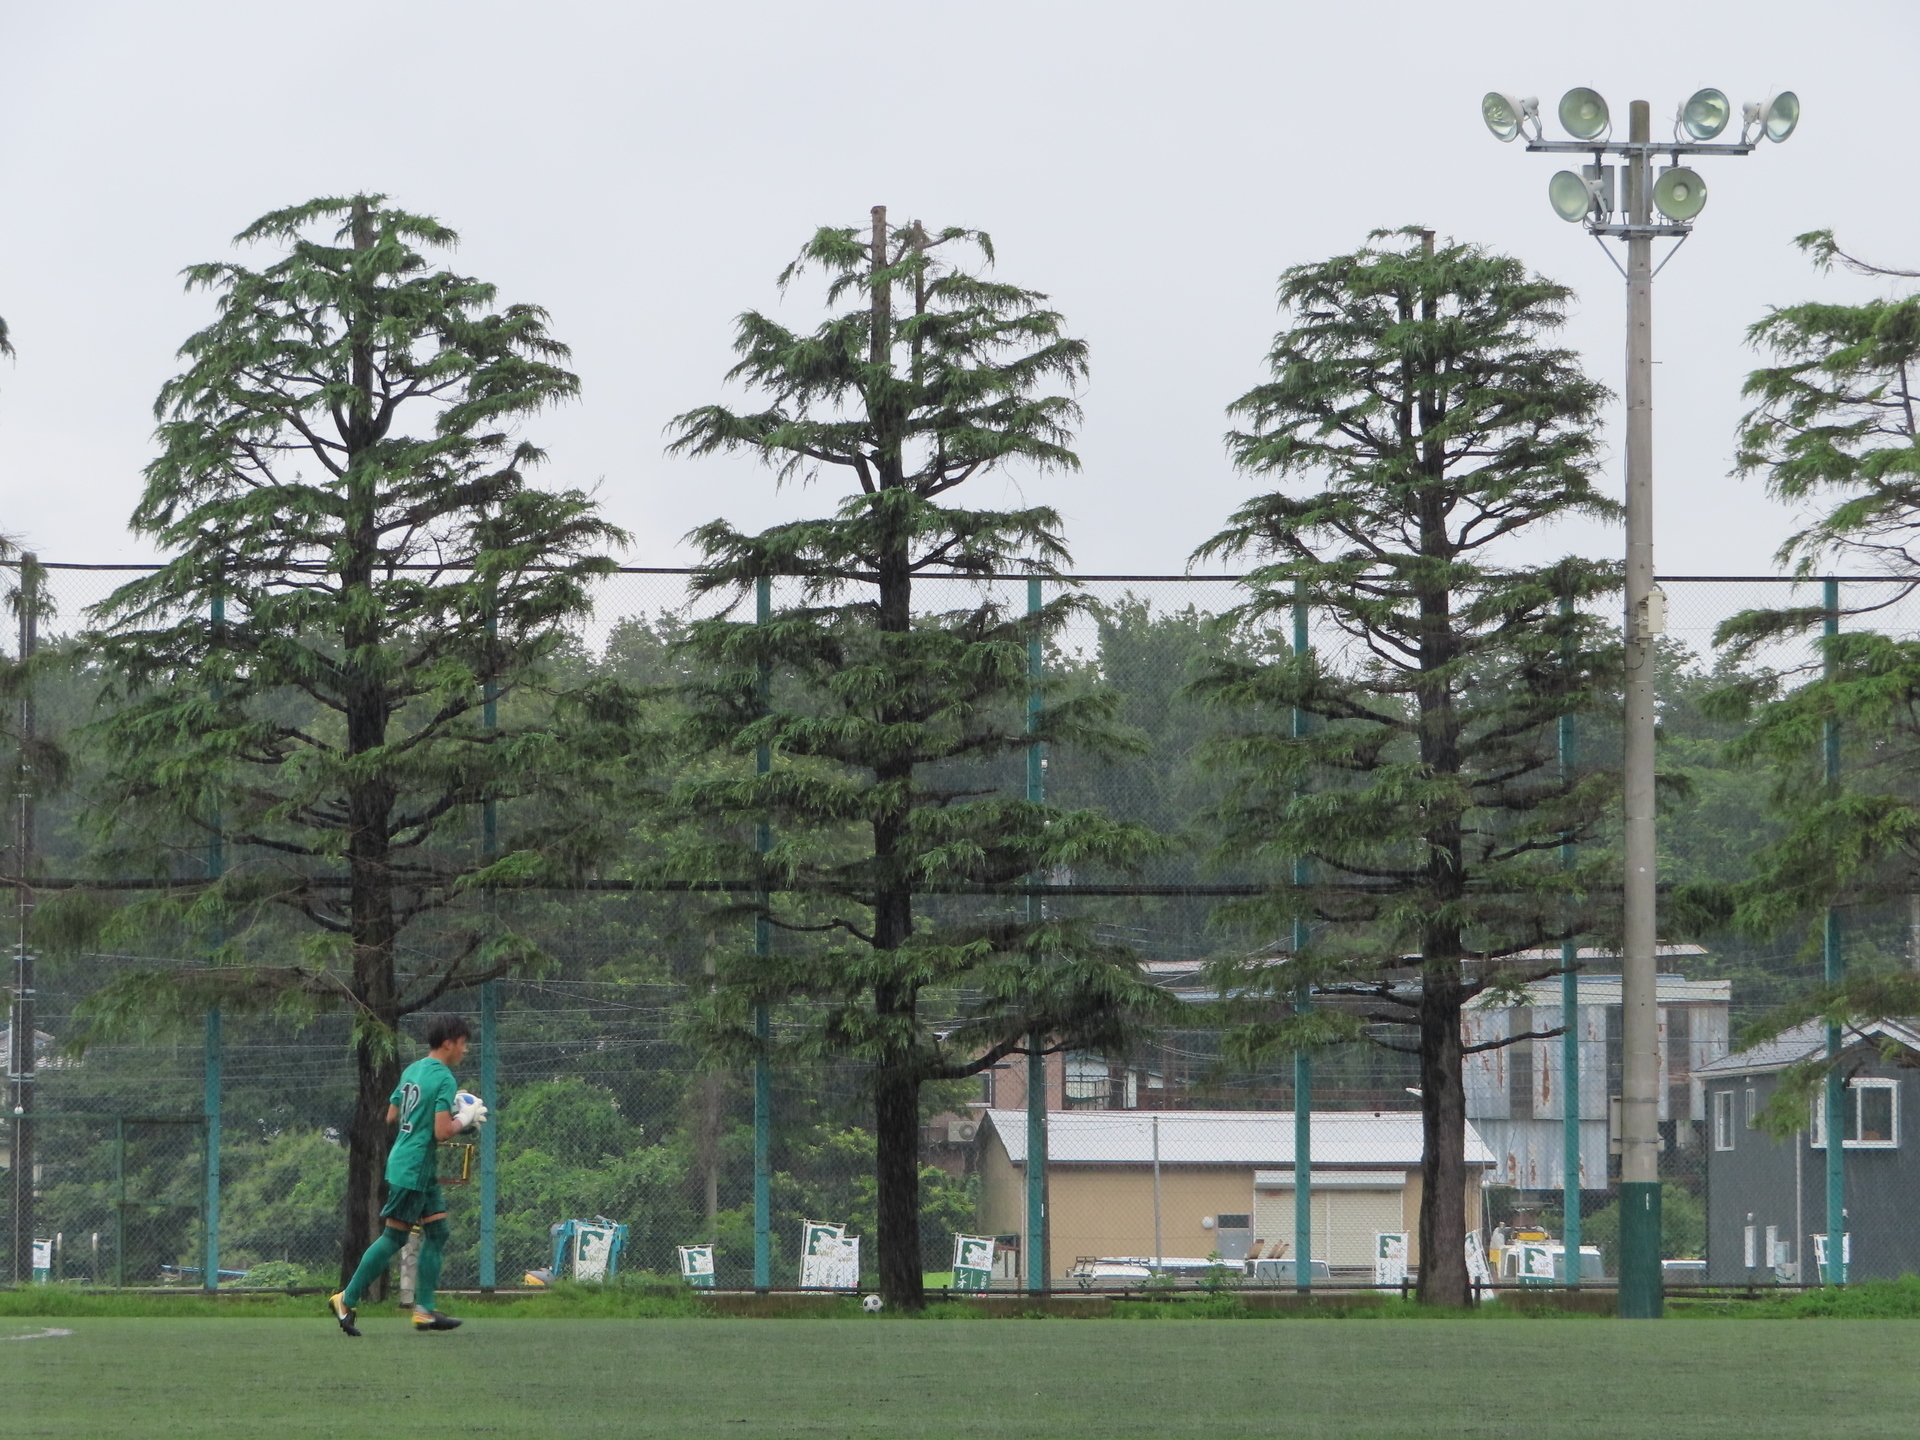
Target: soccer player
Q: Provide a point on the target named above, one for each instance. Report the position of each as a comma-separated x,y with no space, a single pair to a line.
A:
430,1108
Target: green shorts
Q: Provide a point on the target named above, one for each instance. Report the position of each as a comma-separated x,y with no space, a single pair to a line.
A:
408,1206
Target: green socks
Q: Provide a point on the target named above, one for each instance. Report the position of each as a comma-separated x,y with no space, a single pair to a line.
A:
374,1263
433,1249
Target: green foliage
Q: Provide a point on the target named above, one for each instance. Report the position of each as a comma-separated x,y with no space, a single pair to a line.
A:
1833,420
1839,416
568,1153
360,573
332,716
1683,1227
282,1275
1865,1300
883,722
1405,794
283,1198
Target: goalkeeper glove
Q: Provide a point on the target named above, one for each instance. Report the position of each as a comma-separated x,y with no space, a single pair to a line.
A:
469,1110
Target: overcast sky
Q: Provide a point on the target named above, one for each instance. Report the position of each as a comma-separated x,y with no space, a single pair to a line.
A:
644,170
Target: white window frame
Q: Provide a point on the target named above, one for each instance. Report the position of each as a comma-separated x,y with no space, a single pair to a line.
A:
1723,1119
1752,1105
1817,1128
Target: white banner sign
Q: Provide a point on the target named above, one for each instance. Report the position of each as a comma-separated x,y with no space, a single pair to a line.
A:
1390,1259
1479,1275
829,1258
696,1266
592,1247
972,1262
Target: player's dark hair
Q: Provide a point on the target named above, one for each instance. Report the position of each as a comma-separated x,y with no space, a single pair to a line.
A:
442,1028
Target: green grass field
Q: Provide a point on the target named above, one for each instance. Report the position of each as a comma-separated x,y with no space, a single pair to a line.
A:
1061,1379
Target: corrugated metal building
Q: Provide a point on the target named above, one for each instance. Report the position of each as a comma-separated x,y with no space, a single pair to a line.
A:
1226,1181
1515,1094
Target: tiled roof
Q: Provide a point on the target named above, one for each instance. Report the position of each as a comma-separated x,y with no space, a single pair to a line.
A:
1805,1042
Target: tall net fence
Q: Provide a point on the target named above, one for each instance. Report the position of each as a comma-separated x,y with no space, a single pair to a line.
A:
1170,1164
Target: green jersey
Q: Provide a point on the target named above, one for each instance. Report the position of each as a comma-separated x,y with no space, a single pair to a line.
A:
426,1088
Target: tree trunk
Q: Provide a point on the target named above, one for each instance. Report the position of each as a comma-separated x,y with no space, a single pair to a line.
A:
376,1072
1443,1108
896,1115
1443,1133
369,803
896,1101
376,993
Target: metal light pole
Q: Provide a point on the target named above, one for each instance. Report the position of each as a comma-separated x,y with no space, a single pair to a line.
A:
22,1018
1036,1258
1835,1097
490,1012
762,1016
1589,198
1302,1002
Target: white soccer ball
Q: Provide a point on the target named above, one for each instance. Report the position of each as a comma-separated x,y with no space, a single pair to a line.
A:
872,1304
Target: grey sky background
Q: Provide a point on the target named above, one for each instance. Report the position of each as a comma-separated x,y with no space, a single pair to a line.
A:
645,170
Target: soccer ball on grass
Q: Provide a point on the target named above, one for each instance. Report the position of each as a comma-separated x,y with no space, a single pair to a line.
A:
872,1304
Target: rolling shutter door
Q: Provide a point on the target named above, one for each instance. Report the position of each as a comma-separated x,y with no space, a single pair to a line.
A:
1354,1217
1345,1219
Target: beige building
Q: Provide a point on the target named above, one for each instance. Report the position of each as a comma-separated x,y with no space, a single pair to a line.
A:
1225,1182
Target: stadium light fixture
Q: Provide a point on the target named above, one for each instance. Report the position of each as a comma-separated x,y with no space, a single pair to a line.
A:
1584,115
1775,117
1507,115
1679,194
1571,196
1704,115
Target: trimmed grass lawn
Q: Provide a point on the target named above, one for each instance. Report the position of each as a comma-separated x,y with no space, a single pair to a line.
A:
1379,1380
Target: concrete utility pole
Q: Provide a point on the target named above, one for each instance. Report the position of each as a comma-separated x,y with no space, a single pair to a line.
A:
1588,198
1640,1289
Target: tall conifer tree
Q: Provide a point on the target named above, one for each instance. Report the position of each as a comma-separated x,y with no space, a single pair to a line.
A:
341,485
888,705
1836,421
1423,422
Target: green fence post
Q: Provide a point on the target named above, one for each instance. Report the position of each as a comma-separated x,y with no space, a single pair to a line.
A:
1835,969
489,1032
210,1271
213,1063
1570,1089
1569,1039
1302,1002
489,1142
1036,1259
762,1018
119,1202
21,1064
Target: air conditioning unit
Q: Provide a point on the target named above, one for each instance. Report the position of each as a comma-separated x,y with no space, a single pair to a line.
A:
961,1132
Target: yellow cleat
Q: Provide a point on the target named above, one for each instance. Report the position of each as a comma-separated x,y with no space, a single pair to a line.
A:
343,1312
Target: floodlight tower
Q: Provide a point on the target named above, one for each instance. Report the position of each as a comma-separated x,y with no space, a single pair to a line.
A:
1589,197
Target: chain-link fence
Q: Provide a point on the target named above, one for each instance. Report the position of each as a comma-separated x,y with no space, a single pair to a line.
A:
1171,1164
